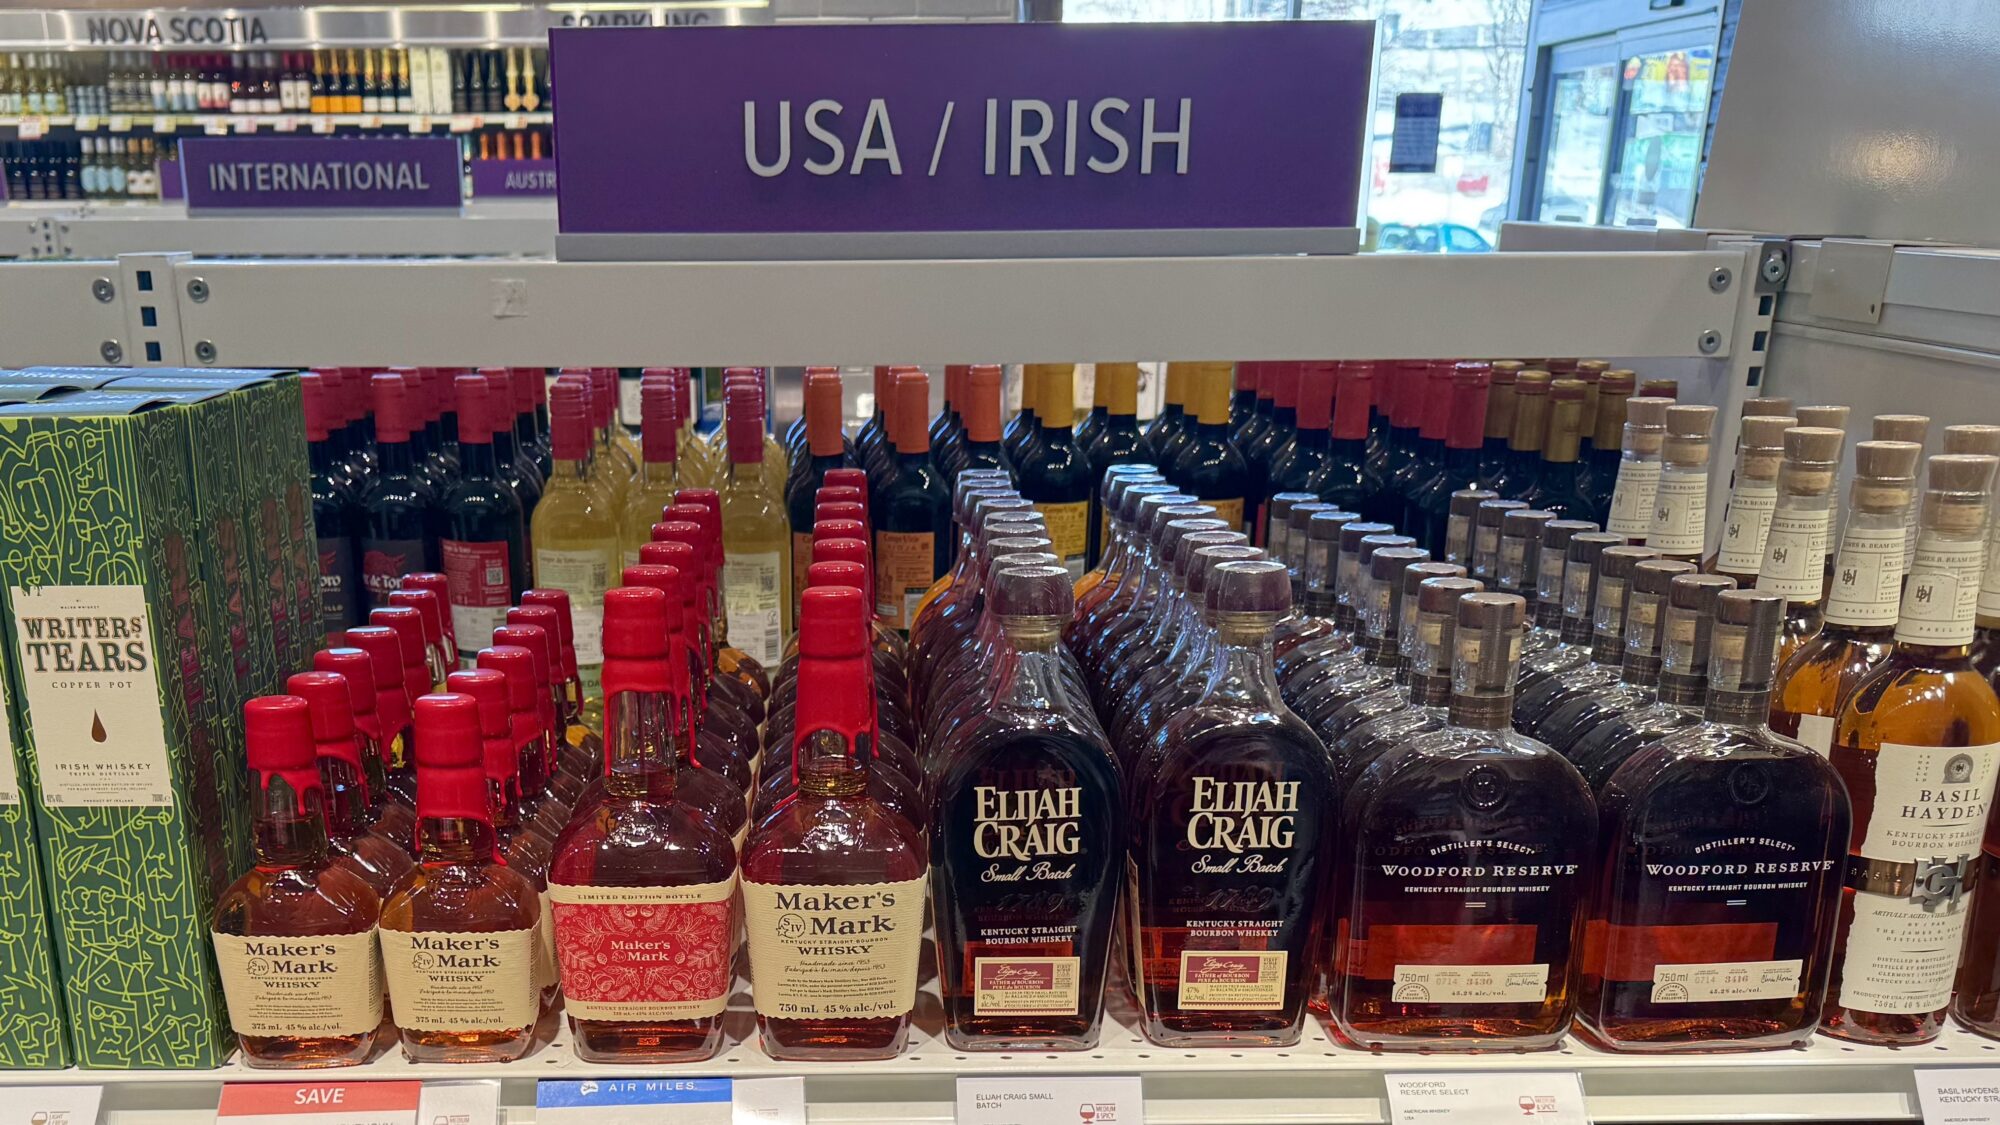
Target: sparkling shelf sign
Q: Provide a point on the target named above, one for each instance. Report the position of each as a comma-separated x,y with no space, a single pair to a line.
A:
885,141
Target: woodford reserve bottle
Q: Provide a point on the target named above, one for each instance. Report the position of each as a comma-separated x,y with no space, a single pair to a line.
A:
1918,743
1229,838
641,883
461,931
833,883
1466,856
295,936
1028,832
1713,922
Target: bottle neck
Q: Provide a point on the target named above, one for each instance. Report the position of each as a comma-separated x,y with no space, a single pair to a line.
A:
644,732
1737,708
1030,672
396,458
289,827
323,458
569,476
346,804
454,840
1242,674
1482,711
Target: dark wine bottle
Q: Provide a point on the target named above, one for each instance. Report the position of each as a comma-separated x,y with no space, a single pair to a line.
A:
912,513
400,506
1427,515
483,533
981,447
826,449
1053,473
1265,447
1209,466
1117,441
337,514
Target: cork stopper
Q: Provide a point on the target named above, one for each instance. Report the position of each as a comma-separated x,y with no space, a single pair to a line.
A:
1984,440
1465,502
1770,405
1032,598
1556,534
1743,649
1684,640
1764,431
1901,427
1655,577
1257,587
1957,487
1688,434
1825,416
1280,511
1355,531
1887,460
1647,413
1327,526
1427,636
1959,472
1186,560
1812,460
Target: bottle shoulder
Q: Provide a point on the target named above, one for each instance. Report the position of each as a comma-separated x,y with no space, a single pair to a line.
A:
1910,695
297,901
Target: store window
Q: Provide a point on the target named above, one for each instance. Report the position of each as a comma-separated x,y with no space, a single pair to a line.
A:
1469,51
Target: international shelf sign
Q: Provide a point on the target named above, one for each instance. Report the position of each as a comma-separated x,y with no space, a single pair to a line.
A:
883,140
321,173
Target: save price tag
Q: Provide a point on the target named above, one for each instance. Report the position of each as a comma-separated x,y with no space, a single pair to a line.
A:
319,1103
51,1105
672,1101
1545,1097
1093,1100
1960,1096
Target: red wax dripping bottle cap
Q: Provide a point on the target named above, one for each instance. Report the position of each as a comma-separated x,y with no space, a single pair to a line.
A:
488,687
836,573
356,670
409,627
330,706
639,636
828,510
278,739
833,623
392,694
517,664
451,775
426,604
543,618
565,632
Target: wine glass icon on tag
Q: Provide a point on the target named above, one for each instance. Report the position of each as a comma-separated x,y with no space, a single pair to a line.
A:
1527,1104
1087,1112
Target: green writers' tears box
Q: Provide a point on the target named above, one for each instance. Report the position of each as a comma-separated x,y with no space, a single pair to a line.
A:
113,631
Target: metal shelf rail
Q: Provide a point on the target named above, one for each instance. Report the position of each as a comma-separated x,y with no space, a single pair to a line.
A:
1312,1083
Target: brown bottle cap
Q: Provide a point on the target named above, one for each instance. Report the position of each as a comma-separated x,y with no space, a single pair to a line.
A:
1771,405
1660,388
1959,472
1828,417
1201,569
1033,591
1416,575
1618,561
1386,564
1327,526
1887,459
1813,445
1684,639
1765,431
1173,531
1901,427
1697,591
1587,547
1531,524
1367,546
1440,594
1354,531
1466,501
1557,534
1972,439
1656,576
1493,512
1260,586
1187,553
1491,615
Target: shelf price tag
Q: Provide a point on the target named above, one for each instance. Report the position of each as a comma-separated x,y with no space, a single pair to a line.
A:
51,1105
1545,1097
247,125
460,1103
119,123
420,124
33,127
322,124
1959,1095
465,123
86,122
319,1103
163,124
284,124
215,126
1091,1100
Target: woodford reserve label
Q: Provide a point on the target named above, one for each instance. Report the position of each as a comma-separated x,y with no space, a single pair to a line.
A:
644,953
462,981
301,986
820,950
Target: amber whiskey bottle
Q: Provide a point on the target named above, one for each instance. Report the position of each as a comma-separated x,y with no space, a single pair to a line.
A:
641,883
295,935
1230,832
1686,954
1861,602
833,884
1465,858
1918,743
377,859
460,931
1028,836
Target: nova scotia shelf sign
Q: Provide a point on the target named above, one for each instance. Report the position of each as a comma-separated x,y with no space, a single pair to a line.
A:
901,141
322,173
